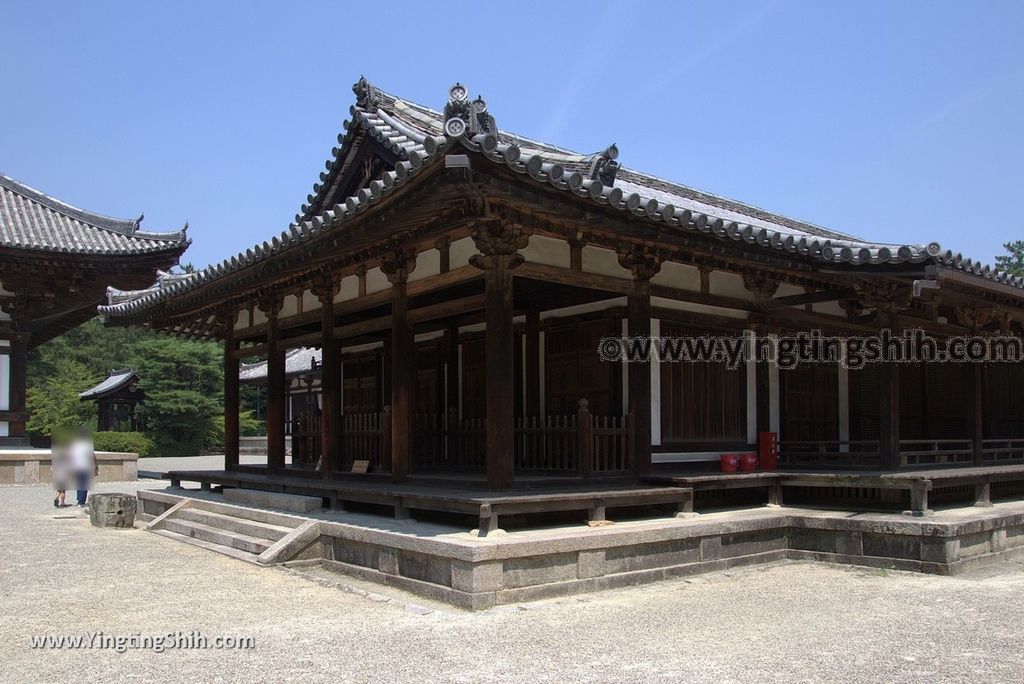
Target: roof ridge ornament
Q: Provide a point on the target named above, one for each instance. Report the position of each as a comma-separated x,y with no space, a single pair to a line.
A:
462,116
604,167
367,96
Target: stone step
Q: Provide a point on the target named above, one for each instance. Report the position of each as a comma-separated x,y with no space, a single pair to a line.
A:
209,546
231,523
214,535
284,502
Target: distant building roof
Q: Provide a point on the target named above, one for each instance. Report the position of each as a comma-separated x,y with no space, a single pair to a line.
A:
114,382
305,360
32,220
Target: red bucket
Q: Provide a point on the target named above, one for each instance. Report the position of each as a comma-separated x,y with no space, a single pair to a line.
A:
730,462
748,462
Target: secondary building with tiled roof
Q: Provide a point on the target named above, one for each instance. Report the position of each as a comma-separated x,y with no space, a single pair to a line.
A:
56,262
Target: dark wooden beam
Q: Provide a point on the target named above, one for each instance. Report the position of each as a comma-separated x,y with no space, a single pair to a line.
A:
397,267
231,396
330,377
17,396
889,407
275,388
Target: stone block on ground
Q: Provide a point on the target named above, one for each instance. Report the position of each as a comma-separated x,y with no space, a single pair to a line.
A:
112,510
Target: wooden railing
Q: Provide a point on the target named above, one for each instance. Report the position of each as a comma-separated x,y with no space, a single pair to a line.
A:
942,452
579,444
366,437
997,451
449,442
582,443
913,453
834,453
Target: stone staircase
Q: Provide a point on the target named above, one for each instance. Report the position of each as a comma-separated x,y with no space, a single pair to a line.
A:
249,534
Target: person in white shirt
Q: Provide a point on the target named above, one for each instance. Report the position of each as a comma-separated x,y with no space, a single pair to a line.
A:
83,463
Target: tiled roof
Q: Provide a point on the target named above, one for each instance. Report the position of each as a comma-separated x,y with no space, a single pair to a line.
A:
115,381
418,135
296,362
32,220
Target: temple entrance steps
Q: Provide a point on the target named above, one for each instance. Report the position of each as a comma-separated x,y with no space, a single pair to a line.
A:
249,534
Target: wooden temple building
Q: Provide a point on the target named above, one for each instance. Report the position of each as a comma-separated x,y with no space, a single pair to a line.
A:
457,279
117,399
56,262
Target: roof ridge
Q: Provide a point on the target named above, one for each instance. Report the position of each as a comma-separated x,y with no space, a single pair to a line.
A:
699,194
126,227
588,177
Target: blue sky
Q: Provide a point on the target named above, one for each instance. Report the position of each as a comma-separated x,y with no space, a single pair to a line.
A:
894,121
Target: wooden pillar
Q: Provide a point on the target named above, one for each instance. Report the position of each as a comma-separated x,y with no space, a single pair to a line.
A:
644,265
397,265
326,288
499,244
532,370
276,389
19,366
231,393
762,385
978,412
451,367
889,406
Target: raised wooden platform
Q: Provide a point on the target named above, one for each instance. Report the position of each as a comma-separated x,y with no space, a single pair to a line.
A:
918,482
592,497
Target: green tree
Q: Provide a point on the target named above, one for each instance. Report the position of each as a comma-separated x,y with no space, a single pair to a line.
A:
1014,261
183,384
53,400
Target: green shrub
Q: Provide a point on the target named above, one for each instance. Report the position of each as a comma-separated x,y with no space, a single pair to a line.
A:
248,426
124,442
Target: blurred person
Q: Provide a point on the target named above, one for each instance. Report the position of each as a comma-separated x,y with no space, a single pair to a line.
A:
60,468
83,463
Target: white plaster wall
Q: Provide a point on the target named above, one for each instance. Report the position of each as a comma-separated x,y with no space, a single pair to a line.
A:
376,281
604,262
309,301
546,250
787,290
459,252
289,306
832,308
682,276
428,264
349,289
728,285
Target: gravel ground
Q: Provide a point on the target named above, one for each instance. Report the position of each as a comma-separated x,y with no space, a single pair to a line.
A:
783,622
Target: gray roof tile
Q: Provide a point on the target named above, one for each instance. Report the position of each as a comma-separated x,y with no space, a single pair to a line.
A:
32,220
416,134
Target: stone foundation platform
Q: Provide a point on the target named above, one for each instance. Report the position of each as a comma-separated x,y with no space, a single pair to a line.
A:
32,466
477,573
